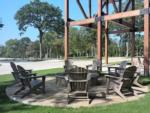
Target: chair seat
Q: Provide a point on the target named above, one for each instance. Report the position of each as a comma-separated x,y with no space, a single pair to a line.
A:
35,83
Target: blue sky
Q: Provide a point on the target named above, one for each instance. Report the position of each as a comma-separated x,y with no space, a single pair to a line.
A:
8,9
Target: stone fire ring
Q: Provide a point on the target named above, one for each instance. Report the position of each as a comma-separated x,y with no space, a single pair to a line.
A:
56,96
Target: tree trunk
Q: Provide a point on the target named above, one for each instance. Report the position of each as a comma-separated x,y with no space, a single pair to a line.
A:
41,40
127,49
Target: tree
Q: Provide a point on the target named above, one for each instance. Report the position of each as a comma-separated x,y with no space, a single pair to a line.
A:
23,45
12,46
42,16
2,51
33,49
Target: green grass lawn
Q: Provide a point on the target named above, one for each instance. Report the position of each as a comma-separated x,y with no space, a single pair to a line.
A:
8,106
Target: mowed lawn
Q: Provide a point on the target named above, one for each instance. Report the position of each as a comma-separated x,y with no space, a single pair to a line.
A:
7,106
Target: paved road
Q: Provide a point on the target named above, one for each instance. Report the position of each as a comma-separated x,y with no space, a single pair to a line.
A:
48,64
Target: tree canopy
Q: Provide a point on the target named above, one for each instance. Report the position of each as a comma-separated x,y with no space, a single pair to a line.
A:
42,16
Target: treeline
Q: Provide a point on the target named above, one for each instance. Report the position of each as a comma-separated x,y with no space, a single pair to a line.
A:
25,48
82,42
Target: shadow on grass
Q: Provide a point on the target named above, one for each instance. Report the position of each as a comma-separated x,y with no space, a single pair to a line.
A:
7,105
144,80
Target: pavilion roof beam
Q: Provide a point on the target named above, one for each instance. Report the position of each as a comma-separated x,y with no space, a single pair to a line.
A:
127,14
104,4
125,31
81,8
122,23
110,1
82,22
90,8
127,6
114,5
112,17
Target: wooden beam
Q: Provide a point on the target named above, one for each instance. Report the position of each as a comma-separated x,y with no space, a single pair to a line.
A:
81,8
133,33
124,14
122,23
127,6
90,8
146,39
125,31
110,1
66,34
111,17
99,32
114,5
104,4
82,22
107,7
120,5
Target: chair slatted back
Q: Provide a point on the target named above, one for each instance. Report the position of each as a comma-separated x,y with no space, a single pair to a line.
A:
24,74
68,65
128,77
15,72
13,66
122,66
96,65
78,79
76,83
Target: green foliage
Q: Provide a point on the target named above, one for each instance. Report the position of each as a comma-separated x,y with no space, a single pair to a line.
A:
42,16
11,47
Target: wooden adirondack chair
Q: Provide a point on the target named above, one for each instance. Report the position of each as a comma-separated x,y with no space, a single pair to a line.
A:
30,82
96,66
94,71
123,85
15,71
117,71
78,84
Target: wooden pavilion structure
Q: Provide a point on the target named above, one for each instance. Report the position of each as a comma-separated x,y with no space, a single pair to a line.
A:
103,15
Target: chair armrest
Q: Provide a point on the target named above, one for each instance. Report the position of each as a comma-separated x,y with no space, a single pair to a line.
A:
110,68
29,70
93,71
87,66
115,69
78,80
30,74
112,77
32,77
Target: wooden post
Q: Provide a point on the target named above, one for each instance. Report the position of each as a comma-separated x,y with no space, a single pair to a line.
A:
66,35
106,42
146,39
106,35
99,32
133,33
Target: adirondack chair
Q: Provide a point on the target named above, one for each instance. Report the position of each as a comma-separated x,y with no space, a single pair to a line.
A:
96,66
30,82
94,70
123,85
15,71
61,79
138,62
117,71
78,84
